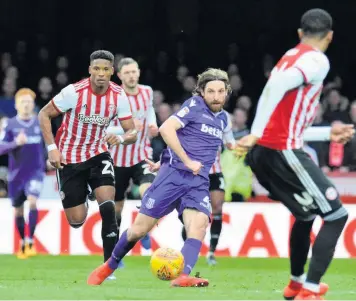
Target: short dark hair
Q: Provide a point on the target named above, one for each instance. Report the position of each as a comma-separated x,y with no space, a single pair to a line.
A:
209,75
125,61
103,55
316,22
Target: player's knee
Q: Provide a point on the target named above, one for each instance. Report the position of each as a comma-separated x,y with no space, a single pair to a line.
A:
76,218
197,226
135,233
104,193
341,215
216,207
19,211
32,201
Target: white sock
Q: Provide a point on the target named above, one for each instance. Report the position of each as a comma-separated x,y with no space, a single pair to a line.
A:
312,287
300,279
29,240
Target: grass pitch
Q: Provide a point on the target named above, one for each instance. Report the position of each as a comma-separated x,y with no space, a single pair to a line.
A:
64,278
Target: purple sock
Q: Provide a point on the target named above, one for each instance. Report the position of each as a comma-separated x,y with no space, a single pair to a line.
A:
20,225
32,218
121,249
190,252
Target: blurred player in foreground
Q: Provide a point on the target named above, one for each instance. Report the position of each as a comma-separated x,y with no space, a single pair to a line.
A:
23,141
194,133
285,110
129,160
217,196
80,152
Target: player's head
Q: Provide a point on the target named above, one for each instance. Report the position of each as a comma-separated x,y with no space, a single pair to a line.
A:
128,72
101,67
25,102
317,24
213,85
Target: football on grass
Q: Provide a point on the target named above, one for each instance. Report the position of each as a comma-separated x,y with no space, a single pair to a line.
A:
167,263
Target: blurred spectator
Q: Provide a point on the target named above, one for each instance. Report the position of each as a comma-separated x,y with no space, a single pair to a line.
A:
62,63
321,147
12,72
335,106
8,88
182,73
158,145
176,107
233,53
45,90
268,65
61,81
5,61
188,87
239,126
236,85
164,111
350,148
232,70
158,99
244,102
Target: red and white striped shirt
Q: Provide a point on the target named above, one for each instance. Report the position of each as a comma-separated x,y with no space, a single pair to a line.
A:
86,117
142,109
282,122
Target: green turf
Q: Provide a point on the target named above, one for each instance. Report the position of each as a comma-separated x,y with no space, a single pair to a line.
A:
64,277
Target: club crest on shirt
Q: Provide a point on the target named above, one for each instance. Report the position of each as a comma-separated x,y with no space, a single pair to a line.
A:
112,108
183,112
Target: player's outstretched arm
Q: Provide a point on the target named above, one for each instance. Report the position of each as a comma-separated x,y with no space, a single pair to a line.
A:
48,112
168,132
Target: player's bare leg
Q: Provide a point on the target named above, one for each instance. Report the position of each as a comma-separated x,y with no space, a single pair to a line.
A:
195,223
76,215
32,220
146,240
20,225
141,226
217,200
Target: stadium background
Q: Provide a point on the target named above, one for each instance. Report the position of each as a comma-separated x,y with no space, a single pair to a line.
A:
45,45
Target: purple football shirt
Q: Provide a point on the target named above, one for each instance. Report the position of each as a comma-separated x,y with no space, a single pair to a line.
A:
200,136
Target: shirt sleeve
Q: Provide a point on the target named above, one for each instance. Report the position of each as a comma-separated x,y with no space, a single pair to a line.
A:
151,114
7,143
314,65
187,113
123,107
228,136
66,99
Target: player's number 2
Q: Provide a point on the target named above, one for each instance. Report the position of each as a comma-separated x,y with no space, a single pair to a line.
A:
108,168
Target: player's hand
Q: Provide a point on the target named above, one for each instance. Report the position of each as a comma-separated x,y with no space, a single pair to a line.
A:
152,166
138,124
341,133
244,144
194,166
49,165
112,139
153,130
55,158
229,146
21,138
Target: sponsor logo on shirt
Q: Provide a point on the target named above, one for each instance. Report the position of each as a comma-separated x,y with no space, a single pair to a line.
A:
211,131
94,119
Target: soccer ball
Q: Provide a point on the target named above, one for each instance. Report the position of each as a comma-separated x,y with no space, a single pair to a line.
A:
167,263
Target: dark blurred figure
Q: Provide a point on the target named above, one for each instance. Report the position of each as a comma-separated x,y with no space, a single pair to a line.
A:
335,106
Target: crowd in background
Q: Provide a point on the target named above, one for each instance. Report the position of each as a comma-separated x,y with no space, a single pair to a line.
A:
172,84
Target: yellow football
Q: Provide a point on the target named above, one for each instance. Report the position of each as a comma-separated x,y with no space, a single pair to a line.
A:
167,263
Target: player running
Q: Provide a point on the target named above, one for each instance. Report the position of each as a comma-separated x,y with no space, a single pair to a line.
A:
23,141
129,160
286,108
217,196
80,152
194,133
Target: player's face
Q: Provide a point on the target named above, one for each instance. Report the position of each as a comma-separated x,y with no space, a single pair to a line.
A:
101,72
25,104
214,95
129,75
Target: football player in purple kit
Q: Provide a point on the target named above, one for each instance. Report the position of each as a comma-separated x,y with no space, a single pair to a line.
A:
193,136
24,144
